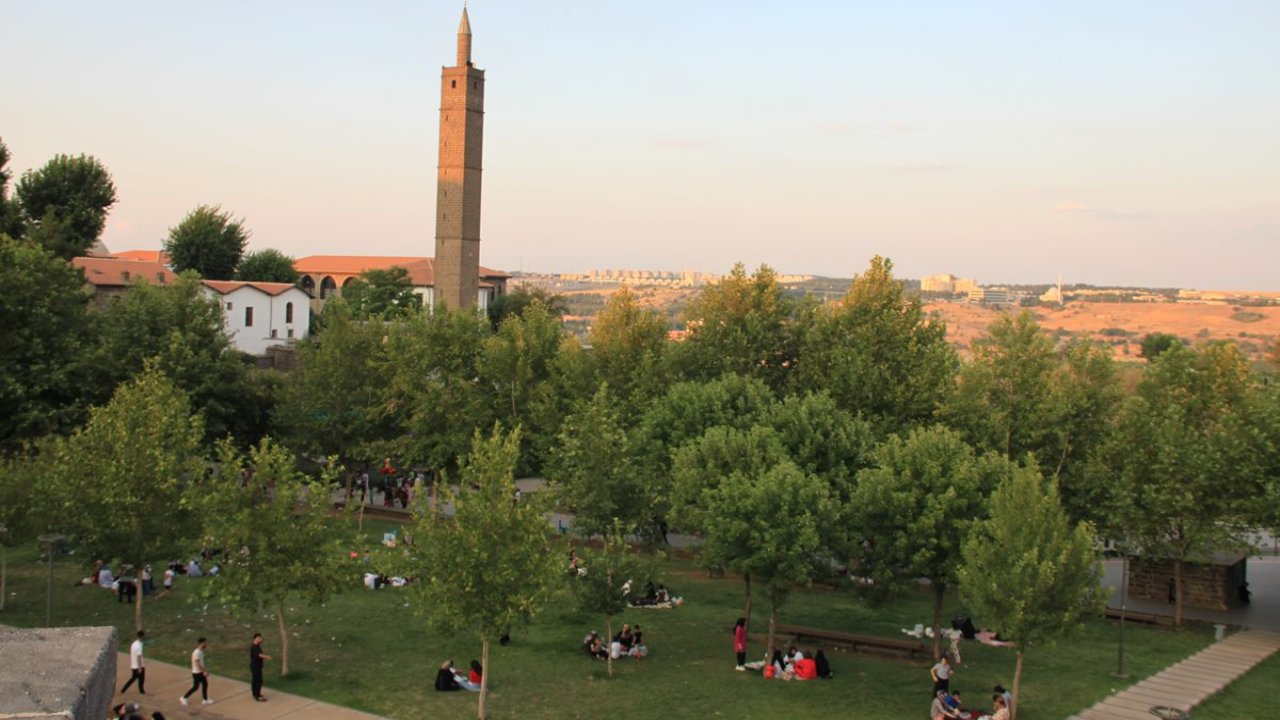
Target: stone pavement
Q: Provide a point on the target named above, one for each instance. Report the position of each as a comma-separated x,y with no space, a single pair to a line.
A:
232,700
1189,682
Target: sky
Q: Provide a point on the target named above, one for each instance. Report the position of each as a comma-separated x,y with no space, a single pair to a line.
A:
1112,143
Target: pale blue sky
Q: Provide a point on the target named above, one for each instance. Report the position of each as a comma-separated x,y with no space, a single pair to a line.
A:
1113,142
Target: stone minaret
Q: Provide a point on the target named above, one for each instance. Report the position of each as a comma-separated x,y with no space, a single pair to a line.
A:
457,264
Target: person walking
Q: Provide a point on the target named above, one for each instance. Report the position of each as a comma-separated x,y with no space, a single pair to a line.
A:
740,643
255,666
137,671
199,674
941,674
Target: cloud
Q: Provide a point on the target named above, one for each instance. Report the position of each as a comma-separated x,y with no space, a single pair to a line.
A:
1099,212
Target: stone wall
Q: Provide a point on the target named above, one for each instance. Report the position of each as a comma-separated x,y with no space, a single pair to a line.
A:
1204,585
57,673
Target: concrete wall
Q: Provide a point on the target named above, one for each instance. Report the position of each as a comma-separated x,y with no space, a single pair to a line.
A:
57,673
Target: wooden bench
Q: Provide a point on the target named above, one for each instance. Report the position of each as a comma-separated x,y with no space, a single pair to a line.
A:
858,643
1139,617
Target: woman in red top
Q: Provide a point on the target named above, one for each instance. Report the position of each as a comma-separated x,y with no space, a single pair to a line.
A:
476,672
740,643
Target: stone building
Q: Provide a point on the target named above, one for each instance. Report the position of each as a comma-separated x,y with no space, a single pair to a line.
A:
1214,584
457,258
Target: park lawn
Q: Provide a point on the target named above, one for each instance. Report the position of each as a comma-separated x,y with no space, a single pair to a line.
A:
1252,696
369,650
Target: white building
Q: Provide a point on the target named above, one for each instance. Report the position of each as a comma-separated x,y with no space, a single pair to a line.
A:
258,315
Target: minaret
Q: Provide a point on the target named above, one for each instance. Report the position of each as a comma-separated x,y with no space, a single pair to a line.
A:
457,263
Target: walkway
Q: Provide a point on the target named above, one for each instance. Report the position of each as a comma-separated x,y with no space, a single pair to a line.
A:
1190,682
166,683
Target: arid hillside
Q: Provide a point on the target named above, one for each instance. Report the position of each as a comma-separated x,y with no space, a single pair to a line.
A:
1125,324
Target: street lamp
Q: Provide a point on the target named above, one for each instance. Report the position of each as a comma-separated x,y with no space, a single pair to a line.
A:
50,540
1124,592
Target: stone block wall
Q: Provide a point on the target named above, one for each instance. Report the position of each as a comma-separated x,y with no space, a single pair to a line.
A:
1213,586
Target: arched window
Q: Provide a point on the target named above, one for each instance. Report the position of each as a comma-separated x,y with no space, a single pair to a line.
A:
327,287
288,312
308,285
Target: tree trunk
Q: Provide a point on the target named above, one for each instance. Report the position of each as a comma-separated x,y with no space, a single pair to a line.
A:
746,608
137,597
484,676
608,629
938,592
1017,680
284,639
773,624
4,572
1177,592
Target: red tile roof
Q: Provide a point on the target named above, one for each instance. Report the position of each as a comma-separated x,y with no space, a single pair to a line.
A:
114,272
155,256
422,270
222,287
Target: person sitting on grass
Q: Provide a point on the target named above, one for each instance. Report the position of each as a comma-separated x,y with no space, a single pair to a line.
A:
793,654
823,665
596,649
1001,711
939,709
476,674
446,680
638,649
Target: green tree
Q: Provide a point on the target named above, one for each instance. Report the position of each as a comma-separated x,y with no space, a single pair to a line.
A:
71,195
743,325
334,403
514,303
16,503
384,294
10,218
42,343
519,374
916,507
1155,343
628,344
1084,399
181,327
606,580
433,390
267,265
209,240
490,566
1002,399
1028,571
274,527
142,451
878,353
770,528
1186,452
594,472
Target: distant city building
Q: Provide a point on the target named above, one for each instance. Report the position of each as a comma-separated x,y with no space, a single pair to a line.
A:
258,315
947,283
994,296
1052,295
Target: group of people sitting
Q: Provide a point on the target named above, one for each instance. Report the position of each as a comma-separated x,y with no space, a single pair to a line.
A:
628,642
658,597
793,665
947,705
449,678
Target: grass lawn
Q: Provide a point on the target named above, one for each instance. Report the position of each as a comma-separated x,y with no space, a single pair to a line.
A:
1252,696
369,650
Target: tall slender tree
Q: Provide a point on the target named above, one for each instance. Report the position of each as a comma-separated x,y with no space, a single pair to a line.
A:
490,566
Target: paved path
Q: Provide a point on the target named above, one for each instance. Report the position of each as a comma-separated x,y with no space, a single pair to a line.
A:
232,701
1191,681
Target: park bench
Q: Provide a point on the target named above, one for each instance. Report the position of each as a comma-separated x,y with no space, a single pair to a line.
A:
858,643
1139,617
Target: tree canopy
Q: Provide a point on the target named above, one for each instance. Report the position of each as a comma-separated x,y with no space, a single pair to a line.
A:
209,240
64,204
267,265
43,341
382,294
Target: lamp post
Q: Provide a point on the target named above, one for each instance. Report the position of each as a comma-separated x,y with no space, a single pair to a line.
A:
50,541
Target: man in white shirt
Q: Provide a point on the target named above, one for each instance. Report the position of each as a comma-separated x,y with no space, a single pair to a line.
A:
199,674
137,672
